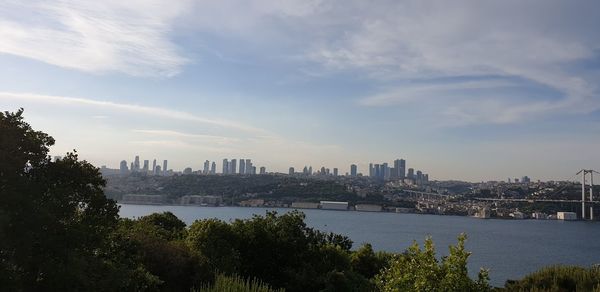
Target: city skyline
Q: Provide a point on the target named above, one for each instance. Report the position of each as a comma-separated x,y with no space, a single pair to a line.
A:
473,91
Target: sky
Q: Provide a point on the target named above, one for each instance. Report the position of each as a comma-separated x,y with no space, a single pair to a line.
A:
466,90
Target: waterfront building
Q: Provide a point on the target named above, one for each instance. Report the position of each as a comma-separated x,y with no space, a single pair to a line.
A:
567,216
334,205
368,208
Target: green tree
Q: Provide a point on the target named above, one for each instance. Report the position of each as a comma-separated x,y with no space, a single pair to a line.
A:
559,278
54,217
368,263
419,270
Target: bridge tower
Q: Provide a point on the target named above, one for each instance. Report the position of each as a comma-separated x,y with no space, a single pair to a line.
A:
584,173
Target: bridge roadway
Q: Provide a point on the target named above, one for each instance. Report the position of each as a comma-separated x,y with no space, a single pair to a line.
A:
534,200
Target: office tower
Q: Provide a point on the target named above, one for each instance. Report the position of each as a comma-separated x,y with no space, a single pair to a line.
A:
213,168
426,177
253,169
385,171
335,171
305,170
419,177
376,171
291,171
310,170
242,166
225,166
153,166
401,168
353,170
157,170
371,170
233,168
146,165
206,167
525,179
263,170
323,170
248,166
411,173
123,167
131,168
164,168
136,164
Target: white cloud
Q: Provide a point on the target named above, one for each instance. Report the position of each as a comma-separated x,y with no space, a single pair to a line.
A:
94,36
151,111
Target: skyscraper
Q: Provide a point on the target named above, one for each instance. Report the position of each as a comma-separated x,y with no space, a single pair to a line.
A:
263,170
146,165
411,173
123,167
136,164
400,167
385,171
157,170
165,169
153,166
233,168
291,171
371,170
242,166
335,171
353,170
310,170
213,168
206,167
225,166
249,166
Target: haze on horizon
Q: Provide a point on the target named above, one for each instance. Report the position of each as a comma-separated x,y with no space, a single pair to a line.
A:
465,90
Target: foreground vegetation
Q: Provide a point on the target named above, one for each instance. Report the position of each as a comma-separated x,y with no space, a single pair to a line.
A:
59,232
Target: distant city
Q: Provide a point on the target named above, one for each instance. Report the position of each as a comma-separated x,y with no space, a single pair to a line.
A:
381,171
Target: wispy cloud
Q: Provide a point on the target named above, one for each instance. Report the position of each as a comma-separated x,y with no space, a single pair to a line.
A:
177,134
154,111
94,36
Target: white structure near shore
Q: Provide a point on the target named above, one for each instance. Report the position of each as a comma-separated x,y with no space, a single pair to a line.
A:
567,216
333,205
305,205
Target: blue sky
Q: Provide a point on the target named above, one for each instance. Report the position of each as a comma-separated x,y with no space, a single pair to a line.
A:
471,90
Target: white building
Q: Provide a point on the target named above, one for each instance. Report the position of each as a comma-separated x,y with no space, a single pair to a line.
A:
567,216
333,205
305,205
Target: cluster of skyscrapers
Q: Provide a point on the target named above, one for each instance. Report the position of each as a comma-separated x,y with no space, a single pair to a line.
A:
135,167
399,171
380,171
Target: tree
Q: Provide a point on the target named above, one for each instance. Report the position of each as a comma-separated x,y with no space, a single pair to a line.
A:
54,217
419,270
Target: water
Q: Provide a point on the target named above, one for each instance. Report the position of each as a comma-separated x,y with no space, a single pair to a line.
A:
510,249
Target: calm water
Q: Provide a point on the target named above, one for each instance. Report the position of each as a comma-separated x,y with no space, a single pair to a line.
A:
509,248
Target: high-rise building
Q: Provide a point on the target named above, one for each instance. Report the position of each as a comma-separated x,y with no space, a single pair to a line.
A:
123,167
136,164
385,171
376,171
249,166
305,170
213,168
323,171
233,168
310,171
263,170
225,166
146,165
335,171
157,170
400,168
153,166
371,170
353,170
131,168
164,168
291,171
242,166
253,169
419,177
411,173
206,167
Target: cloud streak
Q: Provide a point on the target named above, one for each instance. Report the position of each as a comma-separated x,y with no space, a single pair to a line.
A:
94,36
153,111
